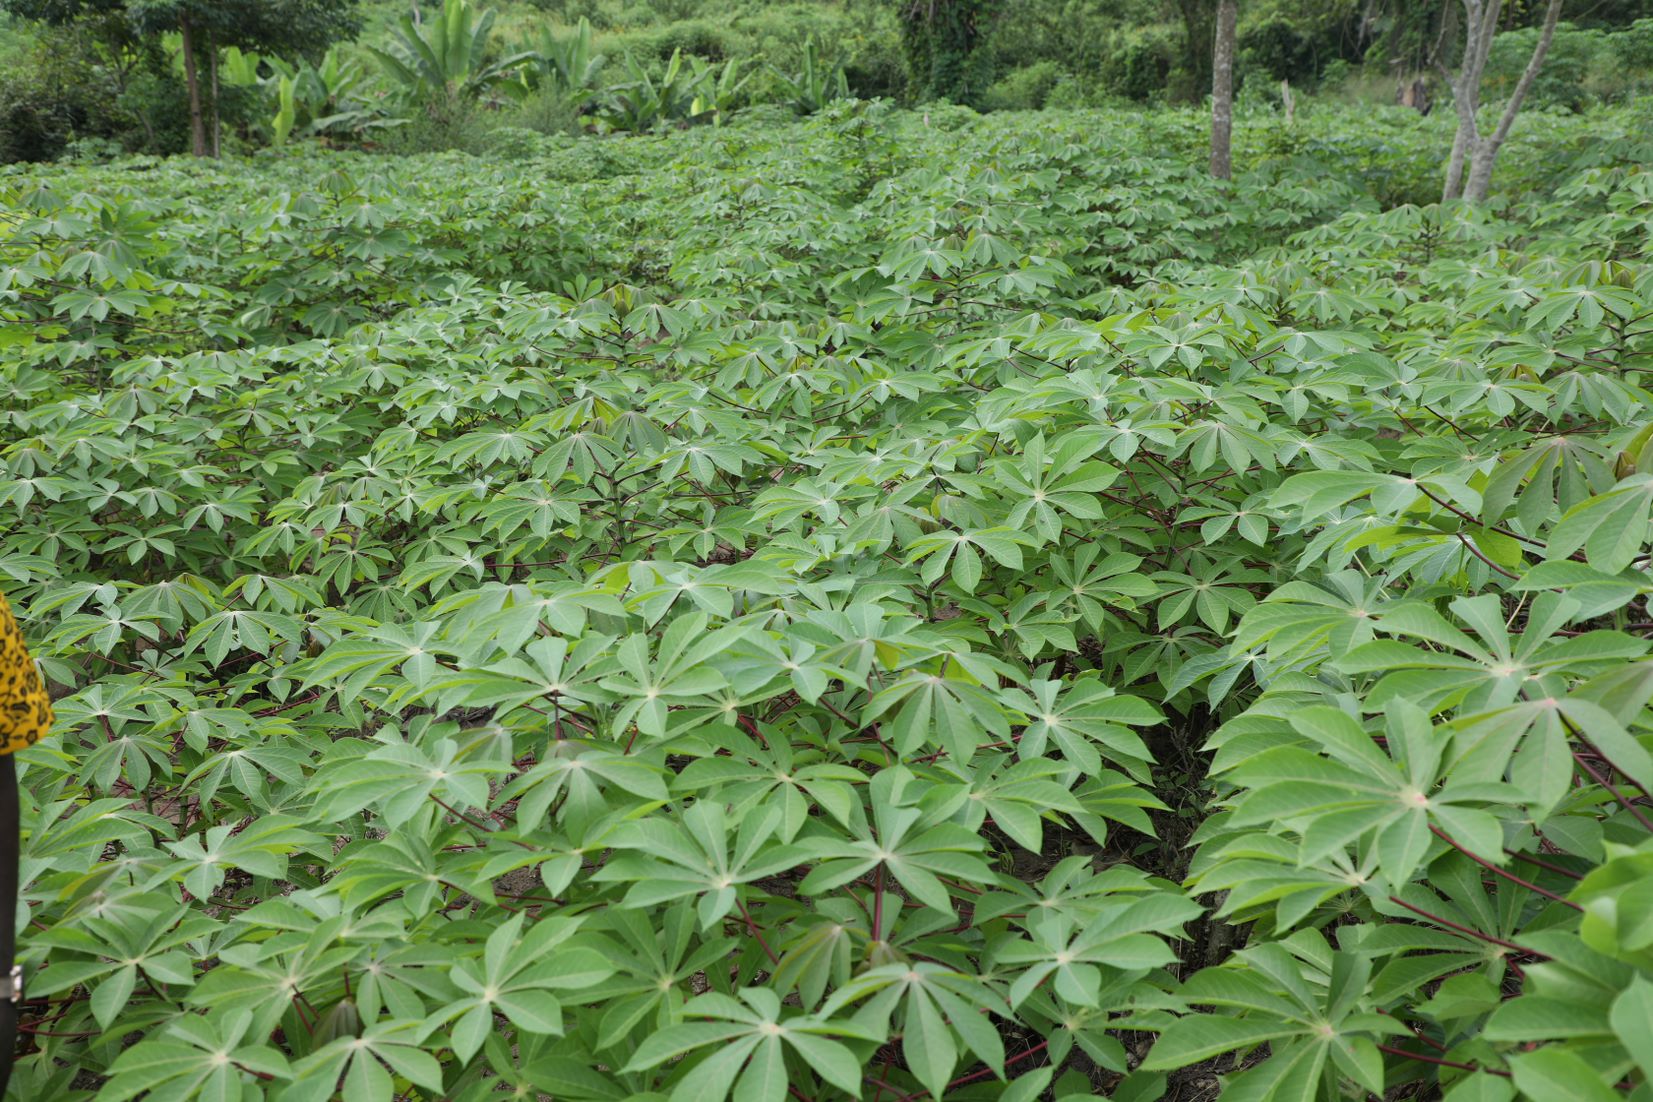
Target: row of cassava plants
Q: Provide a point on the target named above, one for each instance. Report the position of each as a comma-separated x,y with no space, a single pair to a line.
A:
867,608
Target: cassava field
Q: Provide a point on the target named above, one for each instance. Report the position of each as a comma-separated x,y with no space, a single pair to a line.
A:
896,605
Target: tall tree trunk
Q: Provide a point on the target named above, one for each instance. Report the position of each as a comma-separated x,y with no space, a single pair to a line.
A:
1480,24
1469,145
1222,91
192,83
212,68
1486,151
1455,166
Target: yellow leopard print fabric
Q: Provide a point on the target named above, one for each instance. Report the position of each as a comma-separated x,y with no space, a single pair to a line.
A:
25,709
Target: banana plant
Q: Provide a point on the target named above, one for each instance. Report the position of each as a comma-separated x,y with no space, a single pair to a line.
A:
571,66
645,102
816,85
319,98
241,68
719,85
447,58
281,127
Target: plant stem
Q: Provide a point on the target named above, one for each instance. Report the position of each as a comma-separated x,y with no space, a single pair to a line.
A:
1449,924
1489,866
752,927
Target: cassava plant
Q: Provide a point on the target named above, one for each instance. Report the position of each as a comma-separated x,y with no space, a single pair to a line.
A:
877,607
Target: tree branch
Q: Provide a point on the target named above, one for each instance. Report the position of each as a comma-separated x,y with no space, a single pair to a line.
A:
1551,14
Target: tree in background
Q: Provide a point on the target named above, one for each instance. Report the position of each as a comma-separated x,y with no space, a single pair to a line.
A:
283,28
1199,27
1222,90
946,46
1478,149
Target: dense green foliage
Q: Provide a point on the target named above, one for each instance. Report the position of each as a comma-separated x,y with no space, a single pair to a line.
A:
88,79
882,605
947,46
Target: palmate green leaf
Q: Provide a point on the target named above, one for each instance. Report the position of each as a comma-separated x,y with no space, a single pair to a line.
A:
1027,542
951,706
1017,797
1072,957
678,675
403,779
1309,997
1078,720
1611,528
586,778
367,1063
549,672
963,552
261,849
197,1058
361,661
518,974
1356,791
750,1032
751,773
704,855
1314,493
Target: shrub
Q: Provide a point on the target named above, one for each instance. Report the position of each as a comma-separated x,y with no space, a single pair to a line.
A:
56,87
1278,47
1561,82
546,110
1141,69
443,123
700,37
1024,89
36,120
1335,74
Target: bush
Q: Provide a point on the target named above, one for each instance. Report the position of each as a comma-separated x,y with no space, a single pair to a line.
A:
1583,66
36,121
1140,69
1626,64
514,143
1279,49
443,124
1561,82
92,151
712,41
55,89
155,112
1070,93
1335,75
862,39
1024,89
1633,46
543,111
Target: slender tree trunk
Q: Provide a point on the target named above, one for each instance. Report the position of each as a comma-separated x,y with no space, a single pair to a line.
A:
1455,166
1480,151
1222,91
1486,150
212,68
192,83
1480,24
